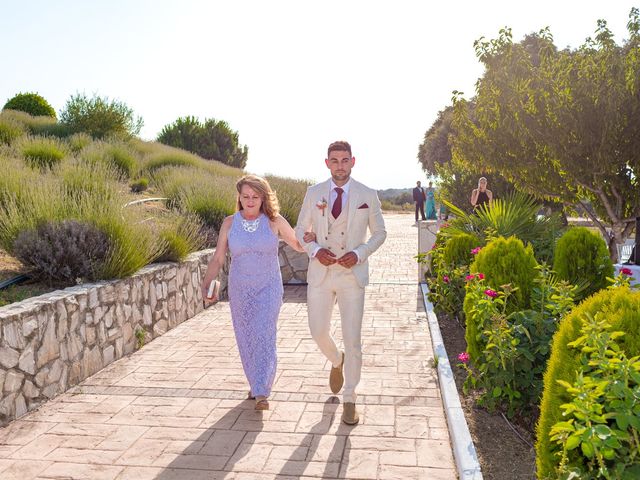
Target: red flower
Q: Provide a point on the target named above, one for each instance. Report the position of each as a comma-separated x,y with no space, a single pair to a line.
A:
445,279
626,271
468,278
490,293
463,357
481,276
435,245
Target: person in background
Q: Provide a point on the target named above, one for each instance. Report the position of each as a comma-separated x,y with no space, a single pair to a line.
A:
419,198
481,196
430,196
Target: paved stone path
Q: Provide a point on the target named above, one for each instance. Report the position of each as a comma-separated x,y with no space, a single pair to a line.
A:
176,409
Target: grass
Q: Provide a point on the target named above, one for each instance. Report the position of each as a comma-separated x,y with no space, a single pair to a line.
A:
290,193
17,293
49,175
116,153
10,130
41,152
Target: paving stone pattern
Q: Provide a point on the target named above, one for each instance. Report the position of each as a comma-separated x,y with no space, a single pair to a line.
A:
176,409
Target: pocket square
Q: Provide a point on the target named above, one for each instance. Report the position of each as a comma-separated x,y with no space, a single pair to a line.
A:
364,205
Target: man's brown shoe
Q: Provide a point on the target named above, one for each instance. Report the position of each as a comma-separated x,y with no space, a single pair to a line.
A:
336,378
350,414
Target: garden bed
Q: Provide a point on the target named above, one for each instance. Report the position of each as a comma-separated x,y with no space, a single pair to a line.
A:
9,268
501,452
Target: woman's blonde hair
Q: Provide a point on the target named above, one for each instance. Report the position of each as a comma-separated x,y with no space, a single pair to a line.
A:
270,206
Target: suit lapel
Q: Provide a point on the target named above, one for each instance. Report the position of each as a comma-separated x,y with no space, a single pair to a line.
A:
354,192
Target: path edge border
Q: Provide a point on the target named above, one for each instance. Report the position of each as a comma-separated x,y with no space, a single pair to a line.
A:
464,451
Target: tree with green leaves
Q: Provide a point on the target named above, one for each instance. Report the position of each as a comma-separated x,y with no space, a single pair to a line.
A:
31,103
213,140
560,124
100,117
455,182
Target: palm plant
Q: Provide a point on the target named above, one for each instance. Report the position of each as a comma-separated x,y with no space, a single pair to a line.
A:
515,215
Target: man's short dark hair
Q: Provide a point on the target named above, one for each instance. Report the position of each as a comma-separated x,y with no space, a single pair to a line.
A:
339,146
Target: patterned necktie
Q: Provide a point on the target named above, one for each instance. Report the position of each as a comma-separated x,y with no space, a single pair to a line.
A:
337,204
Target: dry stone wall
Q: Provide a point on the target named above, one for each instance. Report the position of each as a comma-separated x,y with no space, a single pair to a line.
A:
54,341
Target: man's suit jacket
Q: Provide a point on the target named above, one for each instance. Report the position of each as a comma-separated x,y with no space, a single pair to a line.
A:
364,212
419,195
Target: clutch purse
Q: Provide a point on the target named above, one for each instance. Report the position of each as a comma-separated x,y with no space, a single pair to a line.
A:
214,290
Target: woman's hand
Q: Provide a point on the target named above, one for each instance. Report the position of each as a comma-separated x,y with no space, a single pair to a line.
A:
309,237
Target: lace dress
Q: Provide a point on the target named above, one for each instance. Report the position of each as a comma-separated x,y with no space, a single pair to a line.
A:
255,298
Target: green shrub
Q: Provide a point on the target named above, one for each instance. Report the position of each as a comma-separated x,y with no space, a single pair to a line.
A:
100,117
457,250
31,103
61,252
42,152
501,262
436,255
97,180
182,235
619,309
10,130
583,257
15,176
139,185
114,153
192,190
510,351
170,159
447,290
507,261
79,141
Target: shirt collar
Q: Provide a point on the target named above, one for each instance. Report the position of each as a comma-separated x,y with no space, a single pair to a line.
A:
345,187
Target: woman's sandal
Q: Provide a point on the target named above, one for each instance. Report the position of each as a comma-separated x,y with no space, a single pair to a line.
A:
262,404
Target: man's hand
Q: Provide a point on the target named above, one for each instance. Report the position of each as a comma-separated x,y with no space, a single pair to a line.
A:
348,260
326,257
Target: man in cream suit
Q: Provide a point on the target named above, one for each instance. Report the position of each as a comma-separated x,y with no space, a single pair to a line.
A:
339,211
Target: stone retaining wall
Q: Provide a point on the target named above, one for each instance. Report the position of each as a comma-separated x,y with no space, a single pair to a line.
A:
54,341
293,265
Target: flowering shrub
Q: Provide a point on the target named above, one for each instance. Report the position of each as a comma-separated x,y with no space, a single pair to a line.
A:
509,350
507,261
446,291
458,249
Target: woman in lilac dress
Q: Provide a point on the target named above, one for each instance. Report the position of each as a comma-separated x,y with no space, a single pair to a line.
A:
255,285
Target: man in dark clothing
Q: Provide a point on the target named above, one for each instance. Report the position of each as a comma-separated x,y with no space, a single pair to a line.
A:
419,197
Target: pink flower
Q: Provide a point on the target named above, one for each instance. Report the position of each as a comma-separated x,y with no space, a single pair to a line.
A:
490,293
445,279
481,276
476,250
463,357
435,245
626,271
468,278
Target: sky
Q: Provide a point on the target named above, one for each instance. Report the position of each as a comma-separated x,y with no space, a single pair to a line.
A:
289,76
